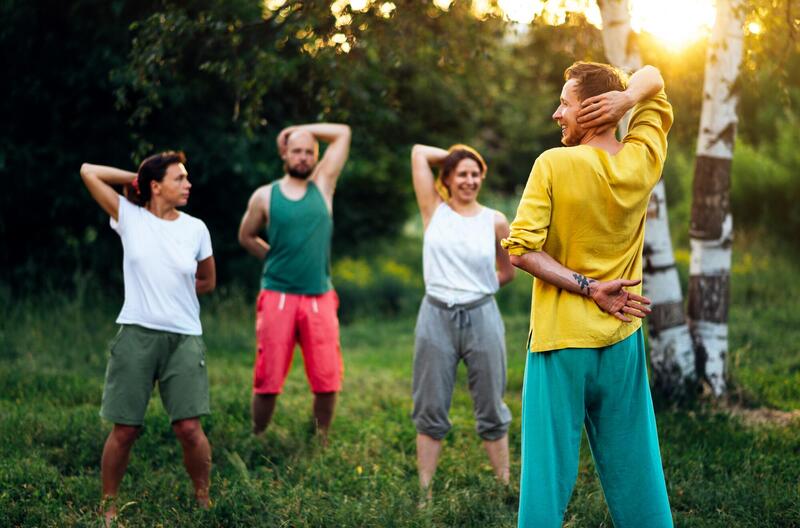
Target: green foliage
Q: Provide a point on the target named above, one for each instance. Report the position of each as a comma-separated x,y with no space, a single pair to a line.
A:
375,286
765,184
769,83
58,109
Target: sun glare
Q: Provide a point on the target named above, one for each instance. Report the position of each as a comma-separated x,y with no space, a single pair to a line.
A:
359,5
754,28
677,23
521,12
444,5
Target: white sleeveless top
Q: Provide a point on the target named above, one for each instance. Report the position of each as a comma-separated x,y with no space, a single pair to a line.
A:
458,256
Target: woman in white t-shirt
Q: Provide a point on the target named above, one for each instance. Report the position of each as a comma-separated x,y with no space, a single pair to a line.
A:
463,267
167,261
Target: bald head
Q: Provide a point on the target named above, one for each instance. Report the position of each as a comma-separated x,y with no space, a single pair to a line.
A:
301,139
302,152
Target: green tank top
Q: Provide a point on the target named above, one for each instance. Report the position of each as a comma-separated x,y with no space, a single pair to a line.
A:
299,236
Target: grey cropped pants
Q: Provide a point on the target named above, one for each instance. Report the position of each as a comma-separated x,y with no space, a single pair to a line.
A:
444,335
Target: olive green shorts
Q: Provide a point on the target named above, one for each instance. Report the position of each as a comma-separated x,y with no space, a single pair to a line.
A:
139,358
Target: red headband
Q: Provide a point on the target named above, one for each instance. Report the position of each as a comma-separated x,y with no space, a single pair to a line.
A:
135,184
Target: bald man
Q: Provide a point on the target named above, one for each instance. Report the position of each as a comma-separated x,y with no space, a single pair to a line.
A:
297,302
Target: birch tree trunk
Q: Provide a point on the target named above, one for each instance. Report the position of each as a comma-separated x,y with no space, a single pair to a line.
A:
711,228
671,354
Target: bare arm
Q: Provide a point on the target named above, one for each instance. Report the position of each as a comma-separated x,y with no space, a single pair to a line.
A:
505,270
99,180
330,166
206,276
605,110
609,296
253,221
423,157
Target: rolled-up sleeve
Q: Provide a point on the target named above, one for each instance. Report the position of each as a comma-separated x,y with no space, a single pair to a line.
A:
530,226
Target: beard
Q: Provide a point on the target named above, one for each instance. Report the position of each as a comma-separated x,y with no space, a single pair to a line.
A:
573,137
299,172
568,141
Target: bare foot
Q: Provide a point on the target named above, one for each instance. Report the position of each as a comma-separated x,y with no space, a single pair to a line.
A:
322,437
426,497
203,500
108,509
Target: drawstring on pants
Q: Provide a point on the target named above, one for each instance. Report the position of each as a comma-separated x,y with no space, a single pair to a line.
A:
459,313
461,317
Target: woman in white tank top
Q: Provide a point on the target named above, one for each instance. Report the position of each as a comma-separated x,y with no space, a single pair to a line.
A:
463,266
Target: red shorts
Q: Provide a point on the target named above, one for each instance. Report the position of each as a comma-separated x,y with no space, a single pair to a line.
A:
283,320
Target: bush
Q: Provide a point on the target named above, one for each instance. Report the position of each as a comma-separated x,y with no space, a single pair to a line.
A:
376,286
765,186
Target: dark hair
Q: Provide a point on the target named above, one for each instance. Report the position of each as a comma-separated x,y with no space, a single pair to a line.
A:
153,168
456,153
595,78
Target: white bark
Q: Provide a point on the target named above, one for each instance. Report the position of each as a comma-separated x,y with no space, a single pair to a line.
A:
713,257
724,56
675,357
671,352
715,342
712,225
619,41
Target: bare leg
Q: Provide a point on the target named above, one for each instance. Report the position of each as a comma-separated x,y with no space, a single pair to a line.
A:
196,456
263,408
116,454
324,405
498,457
428,450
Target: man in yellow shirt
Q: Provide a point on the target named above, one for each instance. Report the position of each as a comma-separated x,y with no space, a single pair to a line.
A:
579,231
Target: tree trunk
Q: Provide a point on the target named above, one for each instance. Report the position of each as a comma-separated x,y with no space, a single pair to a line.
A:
619,41
671,354
711,229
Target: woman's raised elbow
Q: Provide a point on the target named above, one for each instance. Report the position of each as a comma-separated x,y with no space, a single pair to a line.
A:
85,171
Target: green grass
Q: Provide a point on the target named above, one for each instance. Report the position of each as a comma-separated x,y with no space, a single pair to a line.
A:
720,472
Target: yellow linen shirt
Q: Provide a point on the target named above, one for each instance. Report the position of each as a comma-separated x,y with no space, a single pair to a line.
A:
587,209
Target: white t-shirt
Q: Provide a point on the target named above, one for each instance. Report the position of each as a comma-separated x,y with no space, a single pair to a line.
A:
158,266
458,256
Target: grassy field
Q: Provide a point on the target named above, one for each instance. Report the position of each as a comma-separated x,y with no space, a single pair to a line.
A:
723,468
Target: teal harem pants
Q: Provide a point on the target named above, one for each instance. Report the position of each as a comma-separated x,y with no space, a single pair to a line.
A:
606,390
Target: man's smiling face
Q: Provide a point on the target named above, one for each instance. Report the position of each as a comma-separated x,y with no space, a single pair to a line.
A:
566,115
